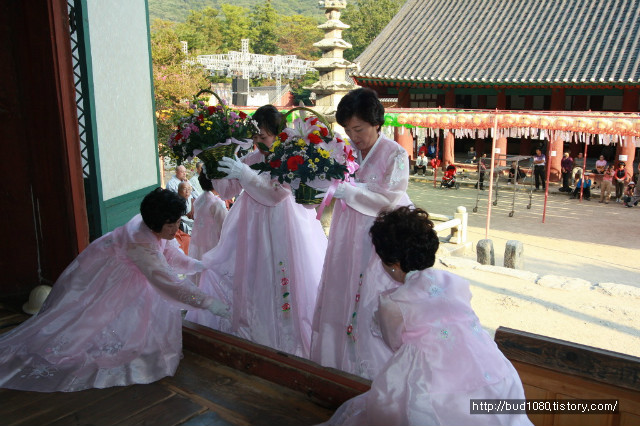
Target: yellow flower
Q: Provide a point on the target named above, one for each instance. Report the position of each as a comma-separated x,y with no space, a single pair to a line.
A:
317,160
275,144
208,128
190,111
324,153
301,143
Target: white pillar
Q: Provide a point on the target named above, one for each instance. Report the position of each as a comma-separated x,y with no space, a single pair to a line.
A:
459,235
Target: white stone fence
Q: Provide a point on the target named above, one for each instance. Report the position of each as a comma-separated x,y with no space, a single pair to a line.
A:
456,224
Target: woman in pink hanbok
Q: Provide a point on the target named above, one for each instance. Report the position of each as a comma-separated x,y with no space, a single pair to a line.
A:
342,336
113,317
209,212
442,357
268,262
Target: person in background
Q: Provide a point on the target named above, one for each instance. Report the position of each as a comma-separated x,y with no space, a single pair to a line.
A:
632,194
209,212
578,166
349,287
442,356
586,191
471,154
179,177
184,190
422,149
113,318
268,261
196,189
539,163
431,150
601,165
449,177
566,166
620,179
421,164
607,185
434,163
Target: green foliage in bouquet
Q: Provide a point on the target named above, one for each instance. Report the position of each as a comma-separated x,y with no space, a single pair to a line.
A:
307,152
203,126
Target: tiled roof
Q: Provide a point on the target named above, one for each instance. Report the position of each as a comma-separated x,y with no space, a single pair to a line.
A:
508,42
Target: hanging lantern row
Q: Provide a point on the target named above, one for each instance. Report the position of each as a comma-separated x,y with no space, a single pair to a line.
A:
603,124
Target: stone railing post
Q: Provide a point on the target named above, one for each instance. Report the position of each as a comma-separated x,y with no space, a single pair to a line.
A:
459,234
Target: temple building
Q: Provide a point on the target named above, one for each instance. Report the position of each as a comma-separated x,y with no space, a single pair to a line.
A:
530,55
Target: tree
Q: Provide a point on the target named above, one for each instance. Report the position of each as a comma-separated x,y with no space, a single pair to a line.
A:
296,35
174,81
264,20
367,19
176,10
201,31
300,94
234,26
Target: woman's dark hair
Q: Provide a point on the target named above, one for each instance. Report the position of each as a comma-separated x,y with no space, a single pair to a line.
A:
205,183
362,103
269,118
162,206
405,236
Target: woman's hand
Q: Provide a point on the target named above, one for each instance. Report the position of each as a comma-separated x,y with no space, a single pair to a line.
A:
231,166
220,309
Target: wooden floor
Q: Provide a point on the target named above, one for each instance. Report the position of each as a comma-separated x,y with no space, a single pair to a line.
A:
202,392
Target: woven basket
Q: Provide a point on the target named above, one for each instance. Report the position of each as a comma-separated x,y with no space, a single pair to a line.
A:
306,195
211,156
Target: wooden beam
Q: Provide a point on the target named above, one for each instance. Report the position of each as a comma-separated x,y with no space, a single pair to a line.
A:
570,358
63,72
325,386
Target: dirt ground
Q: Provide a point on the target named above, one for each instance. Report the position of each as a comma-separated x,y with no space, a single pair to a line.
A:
587,250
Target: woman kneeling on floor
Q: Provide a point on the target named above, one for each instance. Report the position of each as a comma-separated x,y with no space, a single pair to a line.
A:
443,358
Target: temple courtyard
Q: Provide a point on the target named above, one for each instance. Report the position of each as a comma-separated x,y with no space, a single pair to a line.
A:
581,277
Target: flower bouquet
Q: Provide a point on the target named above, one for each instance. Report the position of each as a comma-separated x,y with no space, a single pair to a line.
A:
210,133
309,157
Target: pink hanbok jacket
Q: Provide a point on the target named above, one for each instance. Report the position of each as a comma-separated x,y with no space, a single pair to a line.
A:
209,212
348,295
442,359
112,318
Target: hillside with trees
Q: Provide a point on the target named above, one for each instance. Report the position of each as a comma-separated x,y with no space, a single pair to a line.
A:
178,10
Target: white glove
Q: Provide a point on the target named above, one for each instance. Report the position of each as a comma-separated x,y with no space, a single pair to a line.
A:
231,166
339,192
220,309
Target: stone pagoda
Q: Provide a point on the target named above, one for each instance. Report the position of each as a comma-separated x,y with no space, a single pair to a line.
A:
332,67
